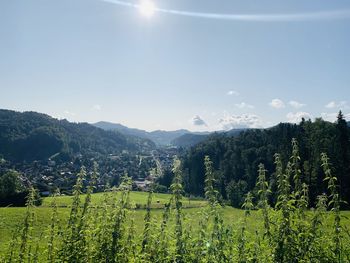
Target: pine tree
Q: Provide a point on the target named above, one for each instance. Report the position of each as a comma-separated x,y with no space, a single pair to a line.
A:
343,159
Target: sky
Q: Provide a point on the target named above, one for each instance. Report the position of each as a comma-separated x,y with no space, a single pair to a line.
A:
172,64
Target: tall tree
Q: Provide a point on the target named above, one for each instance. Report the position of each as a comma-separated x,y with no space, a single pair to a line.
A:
343,159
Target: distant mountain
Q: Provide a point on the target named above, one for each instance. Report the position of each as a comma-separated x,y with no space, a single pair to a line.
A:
165,137
191,139
32,136
109,126
159,137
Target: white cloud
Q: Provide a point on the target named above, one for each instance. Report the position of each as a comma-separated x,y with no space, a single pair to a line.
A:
198,121
277,104
69,113
244,105
240,121
331,105
97,107
233,93
341,104
296,104
297,116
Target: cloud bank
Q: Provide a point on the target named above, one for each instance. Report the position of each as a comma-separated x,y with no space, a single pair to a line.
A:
340,105
240,121
198,121
277,104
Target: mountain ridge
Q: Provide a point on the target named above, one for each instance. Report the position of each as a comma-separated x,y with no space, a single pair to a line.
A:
29,136
159,137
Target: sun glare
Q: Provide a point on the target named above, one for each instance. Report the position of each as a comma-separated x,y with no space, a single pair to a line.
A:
147,8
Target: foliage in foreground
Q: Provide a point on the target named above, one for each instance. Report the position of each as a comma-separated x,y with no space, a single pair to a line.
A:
290,233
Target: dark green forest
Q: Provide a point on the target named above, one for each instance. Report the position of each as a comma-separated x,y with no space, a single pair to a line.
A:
30,136
236,159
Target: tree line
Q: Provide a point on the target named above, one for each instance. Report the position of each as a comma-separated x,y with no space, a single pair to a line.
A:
235,159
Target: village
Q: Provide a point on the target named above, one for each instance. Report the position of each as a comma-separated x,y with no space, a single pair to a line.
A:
48,175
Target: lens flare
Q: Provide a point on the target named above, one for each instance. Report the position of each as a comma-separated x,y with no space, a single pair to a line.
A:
147,8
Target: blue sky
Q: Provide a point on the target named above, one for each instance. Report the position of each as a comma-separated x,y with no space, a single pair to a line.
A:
91,60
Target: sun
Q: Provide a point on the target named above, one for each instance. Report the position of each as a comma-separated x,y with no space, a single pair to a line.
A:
147,8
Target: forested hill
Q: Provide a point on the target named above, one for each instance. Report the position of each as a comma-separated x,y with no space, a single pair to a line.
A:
189,139
236,159
32,136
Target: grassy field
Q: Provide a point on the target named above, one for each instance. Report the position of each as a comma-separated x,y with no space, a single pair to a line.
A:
11,218
138,198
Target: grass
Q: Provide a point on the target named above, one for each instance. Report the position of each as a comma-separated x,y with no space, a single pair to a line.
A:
12,217
138,198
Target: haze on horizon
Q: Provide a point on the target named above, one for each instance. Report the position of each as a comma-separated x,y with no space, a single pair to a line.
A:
92,60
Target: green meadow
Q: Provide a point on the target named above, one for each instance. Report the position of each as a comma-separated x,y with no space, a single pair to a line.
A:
12,218
139,199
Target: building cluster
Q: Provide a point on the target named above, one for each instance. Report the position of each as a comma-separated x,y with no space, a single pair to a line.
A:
48,175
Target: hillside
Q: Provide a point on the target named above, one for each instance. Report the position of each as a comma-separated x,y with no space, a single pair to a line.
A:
191,139
30,136
236,158
188,140
109,126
